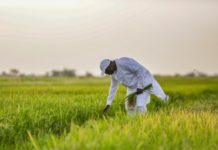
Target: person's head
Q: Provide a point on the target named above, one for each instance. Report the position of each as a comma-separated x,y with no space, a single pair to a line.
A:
108,67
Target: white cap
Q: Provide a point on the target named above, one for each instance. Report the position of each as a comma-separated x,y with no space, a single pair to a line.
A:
103,65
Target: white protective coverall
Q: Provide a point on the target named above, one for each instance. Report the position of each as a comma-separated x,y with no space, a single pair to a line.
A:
133,75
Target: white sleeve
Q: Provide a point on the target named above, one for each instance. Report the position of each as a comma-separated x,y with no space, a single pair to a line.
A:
112,91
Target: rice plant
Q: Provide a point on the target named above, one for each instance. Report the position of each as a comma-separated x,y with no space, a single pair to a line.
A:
66,113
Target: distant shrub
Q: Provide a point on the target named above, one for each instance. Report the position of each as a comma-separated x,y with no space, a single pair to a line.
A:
88,74
63,73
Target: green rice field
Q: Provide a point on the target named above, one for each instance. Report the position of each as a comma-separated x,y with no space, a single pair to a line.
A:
66,114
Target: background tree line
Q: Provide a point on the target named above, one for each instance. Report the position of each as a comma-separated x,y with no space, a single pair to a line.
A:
53,73
72,73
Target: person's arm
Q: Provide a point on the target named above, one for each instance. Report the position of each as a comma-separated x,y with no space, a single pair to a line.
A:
112,91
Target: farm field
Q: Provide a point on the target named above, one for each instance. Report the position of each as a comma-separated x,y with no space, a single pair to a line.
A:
66,113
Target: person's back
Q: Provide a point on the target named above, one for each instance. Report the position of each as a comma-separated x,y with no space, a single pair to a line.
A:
131,73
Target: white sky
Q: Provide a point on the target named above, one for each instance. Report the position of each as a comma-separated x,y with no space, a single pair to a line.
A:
165,36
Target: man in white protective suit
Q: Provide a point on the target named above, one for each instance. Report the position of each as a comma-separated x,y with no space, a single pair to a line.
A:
135,77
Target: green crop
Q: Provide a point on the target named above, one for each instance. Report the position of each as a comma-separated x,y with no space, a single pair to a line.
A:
66,113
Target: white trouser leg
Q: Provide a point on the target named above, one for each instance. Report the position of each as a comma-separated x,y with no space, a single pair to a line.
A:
158,91
141,101
131,110
141,109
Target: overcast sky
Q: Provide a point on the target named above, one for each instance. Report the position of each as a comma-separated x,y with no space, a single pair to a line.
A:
167,37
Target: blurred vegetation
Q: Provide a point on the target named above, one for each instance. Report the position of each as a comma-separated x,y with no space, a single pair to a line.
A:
66,72
53,73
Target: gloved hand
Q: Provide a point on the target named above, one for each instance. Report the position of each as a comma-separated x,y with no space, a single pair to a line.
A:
106,109
139,91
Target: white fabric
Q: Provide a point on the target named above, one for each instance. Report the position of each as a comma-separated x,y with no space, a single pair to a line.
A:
141,109
141,101
129,73
103,65
158,91
133,75
144,98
